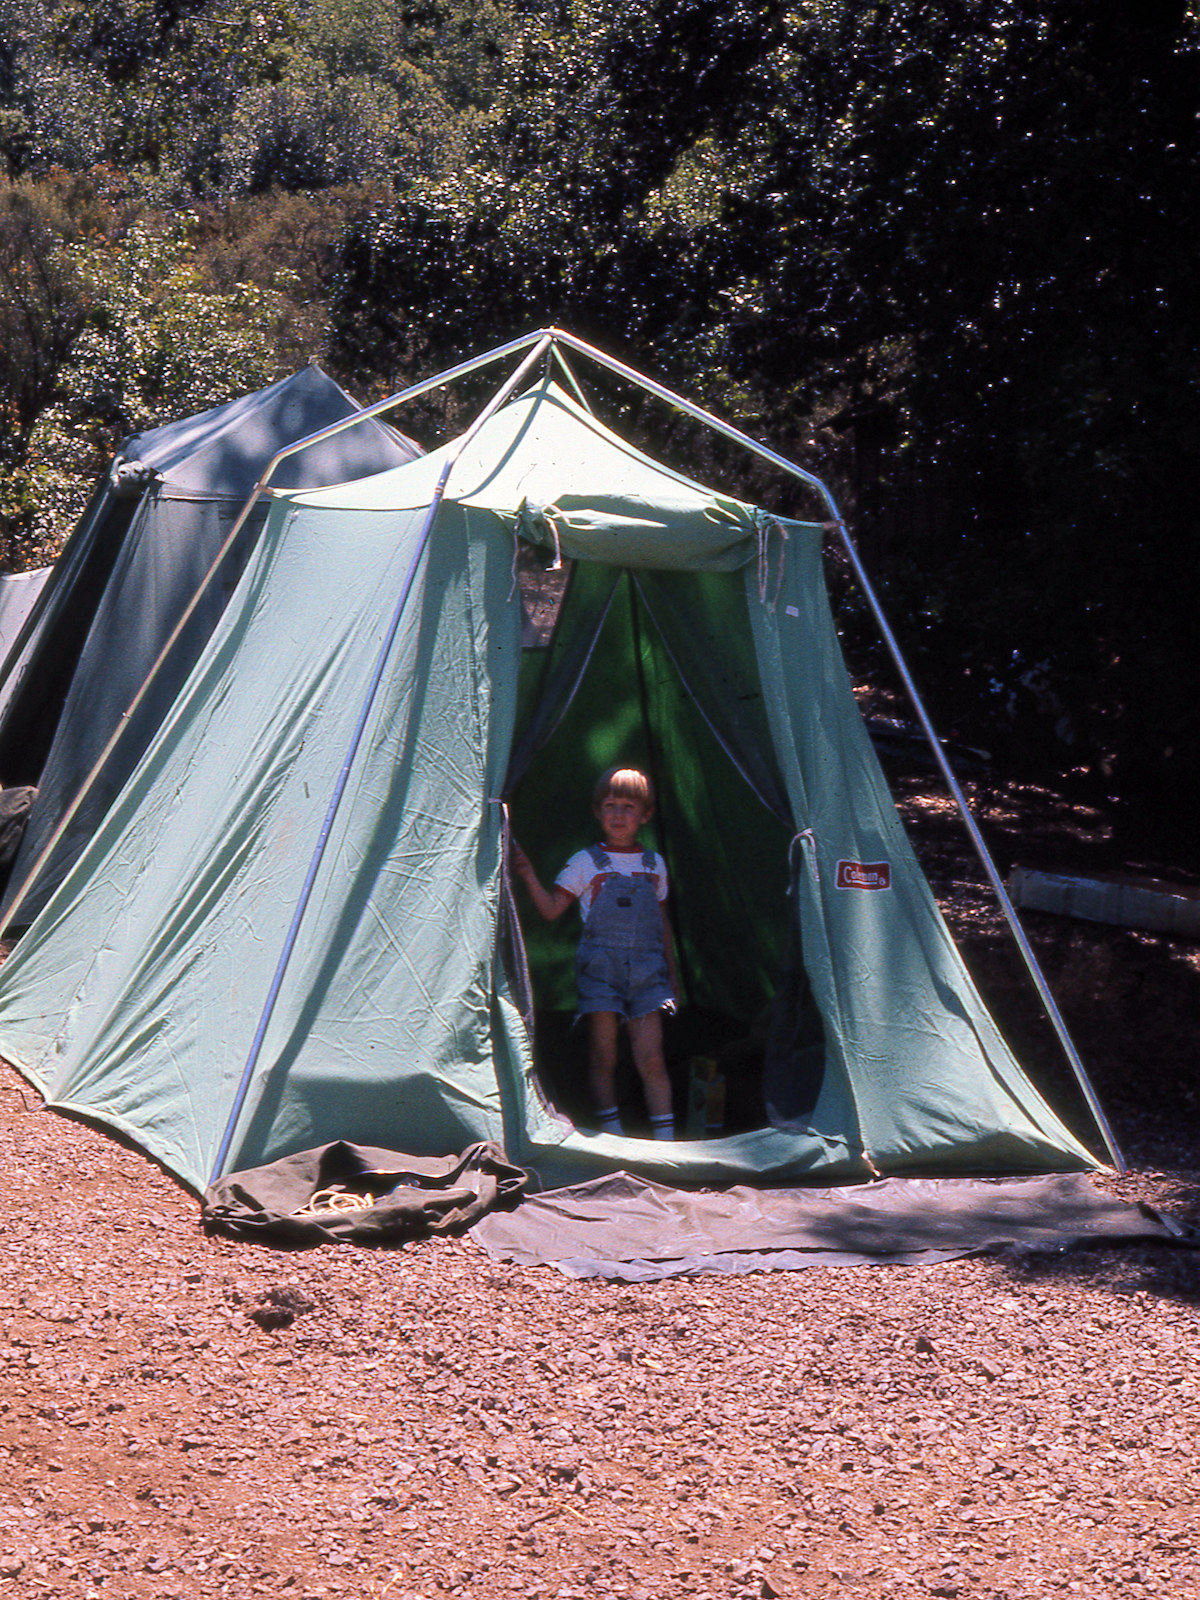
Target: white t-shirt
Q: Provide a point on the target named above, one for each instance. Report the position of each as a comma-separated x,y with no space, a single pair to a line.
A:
582,877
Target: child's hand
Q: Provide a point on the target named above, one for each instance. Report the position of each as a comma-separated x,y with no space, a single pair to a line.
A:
550,903
521,863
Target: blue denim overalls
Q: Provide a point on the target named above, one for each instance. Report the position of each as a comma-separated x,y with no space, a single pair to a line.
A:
621,964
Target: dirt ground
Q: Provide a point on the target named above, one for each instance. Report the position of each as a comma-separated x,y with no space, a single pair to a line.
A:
429,1423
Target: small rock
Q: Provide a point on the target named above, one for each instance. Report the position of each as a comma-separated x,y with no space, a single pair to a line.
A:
279,1308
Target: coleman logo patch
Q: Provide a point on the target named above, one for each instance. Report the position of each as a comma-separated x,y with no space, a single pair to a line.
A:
864,875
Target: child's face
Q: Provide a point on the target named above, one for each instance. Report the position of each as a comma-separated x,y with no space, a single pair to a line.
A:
620,820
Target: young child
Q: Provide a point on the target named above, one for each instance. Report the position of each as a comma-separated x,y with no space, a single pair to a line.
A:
625,966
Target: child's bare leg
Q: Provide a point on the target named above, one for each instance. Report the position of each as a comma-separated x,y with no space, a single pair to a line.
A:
645,1037
603,1027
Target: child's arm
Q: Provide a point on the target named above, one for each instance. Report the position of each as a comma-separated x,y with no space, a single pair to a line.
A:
549,903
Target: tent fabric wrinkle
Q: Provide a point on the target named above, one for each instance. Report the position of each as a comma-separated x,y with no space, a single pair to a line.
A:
411,1013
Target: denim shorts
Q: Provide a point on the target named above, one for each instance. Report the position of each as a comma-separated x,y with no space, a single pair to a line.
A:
633,983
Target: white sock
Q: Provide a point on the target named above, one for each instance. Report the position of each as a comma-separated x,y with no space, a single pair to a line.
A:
609,1118
663,1127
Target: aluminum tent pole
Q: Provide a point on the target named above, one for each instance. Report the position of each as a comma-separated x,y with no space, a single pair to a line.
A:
295,448
318,855
438,381
573,381
1006,905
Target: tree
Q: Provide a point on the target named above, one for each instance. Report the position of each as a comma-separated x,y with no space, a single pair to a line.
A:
1016,176
150,341
195,99
44,302
143,85
953,238
561,213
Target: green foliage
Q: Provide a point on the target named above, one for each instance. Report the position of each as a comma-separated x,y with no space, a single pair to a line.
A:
946,243
308,133
140,338
377,91
196,98
1007,201
142,84
944,249
43,303
156,344
353,38
459,46
284,243
572,207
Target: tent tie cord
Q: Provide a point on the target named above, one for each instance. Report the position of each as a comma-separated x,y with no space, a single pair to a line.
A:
516,558
810,836
511,916
537,520
556,564
326,1200
765,525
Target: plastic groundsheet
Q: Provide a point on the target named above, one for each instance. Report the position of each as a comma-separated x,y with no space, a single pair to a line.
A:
624,1227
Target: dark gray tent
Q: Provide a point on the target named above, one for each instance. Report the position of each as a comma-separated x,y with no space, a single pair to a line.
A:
155,525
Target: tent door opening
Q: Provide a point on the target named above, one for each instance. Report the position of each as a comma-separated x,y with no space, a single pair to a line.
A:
657,670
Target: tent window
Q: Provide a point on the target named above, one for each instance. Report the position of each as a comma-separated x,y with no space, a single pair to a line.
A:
541,589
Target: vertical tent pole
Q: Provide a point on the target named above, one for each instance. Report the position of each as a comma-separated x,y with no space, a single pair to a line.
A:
1030,959
985,855
343,777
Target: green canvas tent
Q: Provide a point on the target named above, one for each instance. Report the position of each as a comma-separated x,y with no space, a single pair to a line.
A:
156,521
207,983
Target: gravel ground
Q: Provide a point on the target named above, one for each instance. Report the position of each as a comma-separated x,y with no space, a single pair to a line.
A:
428,1423
183,1417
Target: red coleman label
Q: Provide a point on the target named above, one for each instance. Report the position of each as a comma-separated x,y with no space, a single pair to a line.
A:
864,875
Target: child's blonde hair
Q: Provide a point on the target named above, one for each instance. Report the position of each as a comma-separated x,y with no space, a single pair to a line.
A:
623,783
